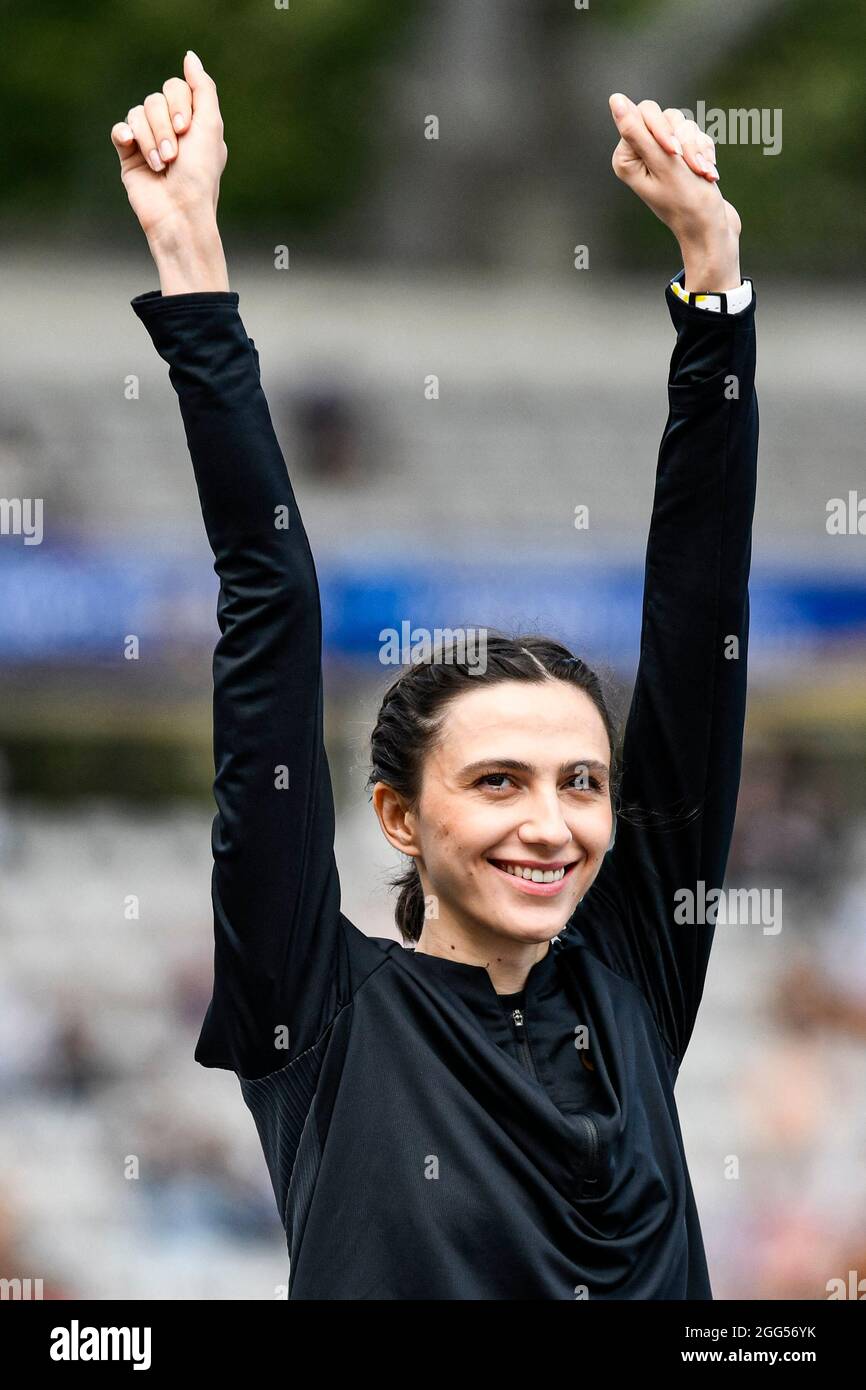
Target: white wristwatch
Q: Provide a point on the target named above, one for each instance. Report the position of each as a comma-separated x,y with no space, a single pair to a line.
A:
736,299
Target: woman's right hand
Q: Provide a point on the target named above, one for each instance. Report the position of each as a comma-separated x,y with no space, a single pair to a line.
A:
669,162
172,155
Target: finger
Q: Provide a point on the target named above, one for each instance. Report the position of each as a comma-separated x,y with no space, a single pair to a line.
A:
708,148
705,154
179,98
202,86
681,125
658,123
676,120
123,140
696,146
140,127
633,129
158,117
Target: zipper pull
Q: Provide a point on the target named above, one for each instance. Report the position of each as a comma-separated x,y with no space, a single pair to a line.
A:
518,1018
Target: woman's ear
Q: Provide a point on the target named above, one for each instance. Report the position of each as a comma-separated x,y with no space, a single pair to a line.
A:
396,819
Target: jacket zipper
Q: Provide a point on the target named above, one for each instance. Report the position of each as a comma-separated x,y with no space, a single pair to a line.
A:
589,1184
589,1122
592,1136
523,1043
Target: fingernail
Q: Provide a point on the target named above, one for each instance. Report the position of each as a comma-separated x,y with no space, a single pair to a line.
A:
178,120
702,164
618,104
125,132
195,58
154,161
166,149
678,149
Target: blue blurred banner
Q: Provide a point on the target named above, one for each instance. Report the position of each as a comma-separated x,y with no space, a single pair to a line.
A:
66,601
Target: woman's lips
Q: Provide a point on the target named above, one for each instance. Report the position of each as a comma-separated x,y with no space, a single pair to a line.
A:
526,885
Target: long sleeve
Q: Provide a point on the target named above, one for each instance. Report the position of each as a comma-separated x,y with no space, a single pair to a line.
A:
682,747
279,969
731,301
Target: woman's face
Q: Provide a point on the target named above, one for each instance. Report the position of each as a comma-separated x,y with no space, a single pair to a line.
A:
519,780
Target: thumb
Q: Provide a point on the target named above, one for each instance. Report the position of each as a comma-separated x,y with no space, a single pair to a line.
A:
619,104
202,86
633,129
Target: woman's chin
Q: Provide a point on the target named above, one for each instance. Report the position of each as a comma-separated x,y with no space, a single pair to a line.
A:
532,926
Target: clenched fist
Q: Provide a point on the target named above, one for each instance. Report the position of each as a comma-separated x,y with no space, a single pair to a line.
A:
172,155
670,164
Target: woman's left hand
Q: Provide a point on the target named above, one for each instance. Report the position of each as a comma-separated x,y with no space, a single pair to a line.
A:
670,164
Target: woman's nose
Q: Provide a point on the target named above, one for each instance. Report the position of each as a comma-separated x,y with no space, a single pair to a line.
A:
545,823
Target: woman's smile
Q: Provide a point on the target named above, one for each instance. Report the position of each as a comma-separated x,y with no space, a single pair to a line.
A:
542,879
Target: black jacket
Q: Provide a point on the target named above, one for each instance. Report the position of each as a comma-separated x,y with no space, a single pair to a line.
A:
422,1142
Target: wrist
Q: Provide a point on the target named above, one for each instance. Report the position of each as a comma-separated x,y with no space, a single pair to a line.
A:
189,256
712,266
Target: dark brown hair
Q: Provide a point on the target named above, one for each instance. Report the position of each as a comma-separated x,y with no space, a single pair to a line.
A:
411,717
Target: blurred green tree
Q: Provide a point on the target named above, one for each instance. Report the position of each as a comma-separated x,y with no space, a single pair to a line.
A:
804,208
306,93
806,205
299,88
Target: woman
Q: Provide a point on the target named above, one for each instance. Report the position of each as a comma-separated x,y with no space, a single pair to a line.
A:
491,1114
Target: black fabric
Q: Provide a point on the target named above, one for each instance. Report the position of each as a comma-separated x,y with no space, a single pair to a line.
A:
510,1002
413,1155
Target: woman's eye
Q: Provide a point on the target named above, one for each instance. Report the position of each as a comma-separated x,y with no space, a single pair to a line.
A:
586,783
497,781
493,779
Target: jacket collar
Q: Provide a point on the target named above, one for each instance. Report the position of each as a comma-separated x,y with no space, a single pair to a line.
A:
473,983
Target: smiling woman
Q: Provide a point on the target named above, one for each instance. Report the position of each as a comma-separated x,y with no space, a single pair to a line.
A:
491,1114
472,772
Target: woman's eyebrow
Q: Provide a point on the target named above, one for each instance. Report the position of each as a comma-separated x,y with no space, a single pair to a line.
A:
515,765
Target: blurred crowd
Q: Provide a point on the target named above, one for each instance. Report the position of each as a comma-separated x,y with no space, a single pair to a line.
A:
126,1171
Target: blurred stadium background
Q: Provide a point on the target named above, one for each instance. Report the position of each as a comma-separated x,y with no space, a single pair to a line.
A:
410,257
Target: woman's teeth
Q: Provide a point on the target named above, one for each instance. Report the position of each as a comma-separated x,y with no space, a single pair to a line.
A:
534,875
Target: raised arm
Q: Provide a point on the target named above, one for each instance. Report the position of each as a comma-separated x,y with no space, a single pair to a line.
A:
280,971
683,740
